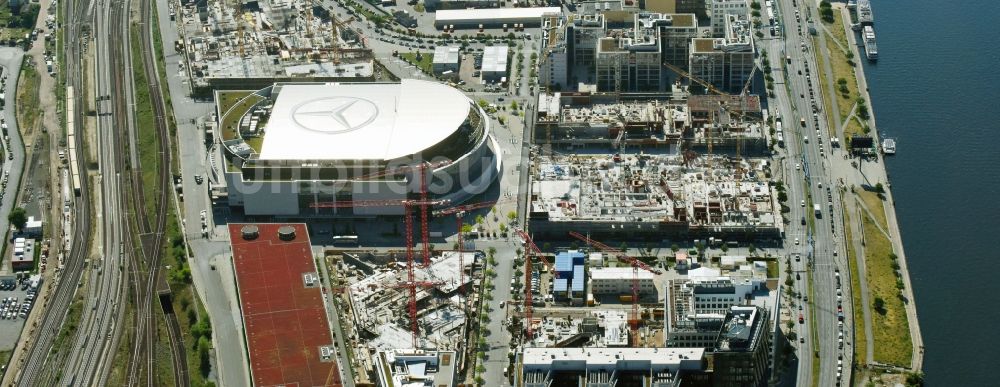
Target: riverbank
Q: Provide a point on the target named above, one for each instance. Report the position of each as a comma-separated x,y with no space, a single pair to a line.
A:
871,173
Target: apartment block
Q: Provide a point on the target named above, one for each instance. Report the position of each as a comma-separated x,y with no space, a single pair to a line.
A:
725,62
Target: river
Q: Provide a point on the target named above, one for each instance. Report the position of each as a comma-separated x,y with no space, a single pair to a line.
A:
936,89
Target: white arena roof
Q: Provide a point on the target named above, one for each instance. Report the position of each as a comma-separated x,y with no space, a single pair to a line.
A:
361,121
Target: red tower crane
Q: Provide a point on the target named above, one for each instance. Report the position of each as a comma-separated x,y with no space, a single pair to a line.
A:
636,265
459,212
530,250
412,286
424,203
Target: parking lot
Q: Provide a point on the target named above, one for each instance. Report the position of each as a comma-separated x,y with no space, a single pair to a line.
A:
16,300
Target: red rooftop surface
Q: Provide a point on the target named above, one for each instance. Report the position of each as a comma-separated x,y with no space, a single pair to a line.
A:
285,321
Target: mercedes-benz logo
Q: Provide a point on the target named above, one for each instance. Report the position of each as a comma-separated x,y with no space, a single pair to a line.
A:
335,115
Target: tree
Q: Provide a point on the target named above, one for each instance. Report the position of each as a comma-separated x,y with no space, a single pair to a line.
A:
491,251
914,379
879,305
752,248
674,247
503,228
513,105
480,219
547,246
18,218
512,215
204,363
879,188
466,228
725,248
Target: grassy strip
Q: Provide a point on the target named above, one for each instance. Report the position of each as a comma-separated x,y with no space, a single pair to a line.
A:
4,358
27,100
195,327
119,367
874,204
844,77
62,342
860,339
425,62
889,324
814,332
164,364
148,142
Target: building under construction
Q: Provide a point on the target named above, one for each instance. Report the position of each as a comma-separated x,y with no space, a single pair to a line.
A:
255,43
654,197
380,306
730,123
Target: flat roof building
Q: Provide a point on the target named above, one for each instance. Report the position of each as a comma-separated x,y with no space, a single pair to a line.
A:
407,367
617,281
728,61
492,18
495,60
446,58
287,333
660,367
740,357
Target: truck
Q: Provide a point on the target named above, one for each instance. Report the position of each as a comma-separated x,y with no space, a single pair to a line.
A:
817,210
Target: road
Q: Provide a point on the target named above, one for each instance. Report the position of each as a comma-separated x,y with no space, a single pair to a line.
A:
10,60
808,178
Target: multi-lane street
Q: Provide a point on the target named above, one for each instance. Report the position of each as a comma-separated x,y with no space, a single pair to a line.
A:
814,238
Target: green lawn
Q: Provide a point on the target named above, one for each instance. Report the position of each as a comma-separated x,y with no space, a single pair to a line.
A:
148,141
234,110
426,62
891,329
860,340
875,205
27,98
842,69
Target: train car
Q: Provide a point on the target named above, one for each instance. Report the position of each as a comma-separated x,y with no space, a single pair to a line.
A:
74,163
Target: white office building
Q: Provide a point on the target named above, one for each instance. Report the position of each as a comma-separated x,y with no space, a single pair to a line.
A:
615,281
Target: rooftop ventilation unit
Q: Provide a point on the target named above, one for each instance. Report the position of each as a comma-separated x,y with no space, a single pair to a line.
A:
286,233
250,232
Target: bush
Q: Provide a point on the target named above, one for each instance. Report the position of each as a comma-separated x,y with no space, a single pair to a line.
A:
879,305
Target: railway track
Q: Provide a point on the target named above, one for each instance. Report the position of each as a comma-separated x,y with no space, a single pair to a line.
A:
58,306
153,229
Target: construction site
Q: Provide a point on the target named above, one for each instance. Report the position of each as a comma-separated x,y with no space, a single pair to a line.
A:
732,123
655,196
255,43
398,308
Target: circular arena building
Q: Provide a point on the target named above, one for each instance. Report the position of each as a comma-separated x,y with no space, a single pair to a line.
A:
311,149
